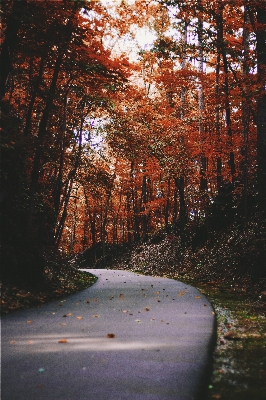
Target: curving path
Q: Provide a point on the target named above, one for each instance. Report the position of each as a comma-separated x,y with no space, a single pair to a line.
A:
66,350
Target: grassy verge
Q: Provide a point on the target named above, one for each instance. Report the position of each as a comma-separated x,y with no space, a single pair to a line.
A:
240,354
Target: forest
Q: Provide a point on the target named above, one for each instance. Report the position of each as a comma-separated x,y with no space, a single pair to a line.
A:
121,120
133,136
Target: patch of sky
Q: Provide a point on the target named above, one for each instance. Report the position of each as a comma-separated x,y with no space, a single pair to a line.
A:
94,133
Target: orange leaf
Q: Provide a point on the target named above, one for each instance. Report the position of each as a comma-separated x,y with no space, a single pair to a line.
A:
62,341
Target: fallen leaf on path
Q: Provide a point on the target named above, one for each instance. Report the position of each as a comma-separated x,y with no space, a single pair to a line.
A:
88,300
63,324
137,320
62,341
147,309
110,335
96,316
29,321
121,296
197,297
12,342
79,318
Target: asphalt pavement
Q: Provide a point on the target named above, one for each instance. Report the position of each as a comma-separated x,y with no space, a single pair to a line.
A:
126,337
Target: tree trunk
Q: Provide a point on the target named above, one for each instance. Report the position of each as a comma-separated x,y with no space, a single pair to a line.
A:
245,110
203,160
61,224
221,49
33,98
145,216
180,185
261,109
11,37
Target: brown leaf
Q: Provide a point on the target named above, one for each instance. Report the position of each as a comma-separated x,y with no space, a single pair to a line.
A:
110,335
29,321
62,341
79,318
147,309
121,296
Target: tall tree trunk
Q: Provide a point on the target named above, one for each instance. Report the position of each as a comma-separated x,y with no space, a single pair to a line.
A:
180,182
245,109
72,174
134,205
222,51
217,122
203,160
261,107
43,127
180,185
10,41
33,98
145,216
167,203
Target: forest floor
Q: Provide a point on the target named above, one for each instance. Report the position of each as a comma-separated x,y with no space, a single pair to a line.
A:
227,268
58,282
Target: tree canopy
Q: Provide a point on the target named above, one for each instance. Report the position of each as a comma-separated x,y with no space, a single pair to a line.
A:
106,138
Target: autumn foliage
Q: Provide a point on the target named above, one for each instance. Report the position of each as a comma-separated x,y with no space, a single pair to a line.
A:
98,146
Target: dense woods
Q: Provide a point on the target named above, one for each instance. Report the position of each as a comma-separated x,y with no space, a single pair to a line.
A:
105,140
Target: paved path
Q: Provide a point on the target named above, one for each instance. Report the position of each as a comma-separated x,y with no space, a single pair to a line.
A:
163,329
